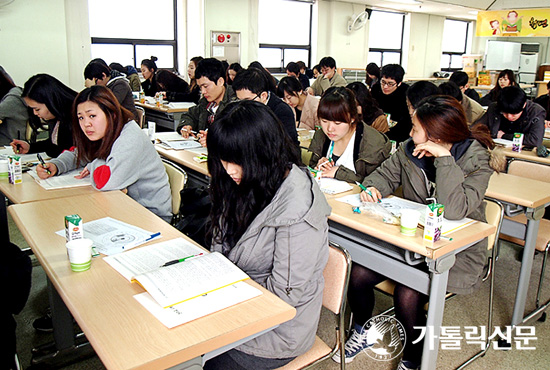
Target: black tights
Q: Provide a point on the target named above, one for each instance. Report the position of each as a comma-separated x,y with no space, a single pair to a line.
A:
409,307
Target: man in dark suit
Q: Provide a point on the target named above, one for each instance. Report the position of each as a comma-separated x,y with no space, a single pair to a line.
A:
252,84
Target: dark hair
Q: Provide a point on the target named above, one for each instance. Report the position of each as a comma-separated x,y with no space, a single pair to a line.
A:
246,133
451,89
270,79
369,106
196,60
317,67
460,78
301,65
235,67
96,69
328,62
118,67
169,81
210,68
117,116
48,90
251,79
393,71
373,69
293,67
150,63
290,85
511,100
420,90
443,118
338,104
6,83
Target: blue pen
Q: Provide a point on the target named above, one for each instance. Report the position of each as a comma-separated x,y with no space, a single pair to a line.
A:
140,241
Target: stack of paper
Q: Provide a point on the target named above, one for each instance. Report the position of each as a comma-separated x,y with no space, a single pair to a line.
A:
67,180
333,186
505,143
7,150
175,105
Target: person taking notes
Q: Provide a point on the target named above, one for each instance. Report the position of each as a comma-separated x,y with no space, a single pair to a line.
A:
114,152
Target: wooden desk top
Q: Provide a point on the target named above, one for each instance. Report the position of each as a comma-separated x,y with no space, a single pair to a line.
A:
162,108
183,157
30,191
530,155
518,190
123,333
343,214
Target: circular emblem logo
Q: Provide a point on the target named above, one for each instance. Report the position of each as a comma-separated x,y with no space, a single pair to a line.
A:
386,337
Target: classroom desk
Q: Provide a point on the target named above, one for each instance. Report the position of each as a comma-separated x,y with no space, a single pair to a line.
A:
542,87
164,116
521,195
30,191
122,332
197,173
382,248
529,155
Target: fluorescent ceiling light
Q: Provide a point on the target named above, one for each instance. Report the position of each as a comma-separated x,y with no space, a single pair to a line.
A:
411,2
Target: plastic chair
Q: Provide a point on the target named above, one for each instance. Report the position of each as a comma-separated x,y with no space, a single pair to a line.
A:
177,178
141,116
336,273
541,172
306,155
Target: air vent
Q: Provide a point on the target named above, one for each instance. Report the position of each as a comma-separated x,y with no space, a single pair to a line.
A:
530,48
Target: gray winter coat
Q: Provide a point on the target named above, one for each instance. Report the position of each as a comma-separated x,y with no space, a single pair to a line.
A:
460,186
285,249
14,116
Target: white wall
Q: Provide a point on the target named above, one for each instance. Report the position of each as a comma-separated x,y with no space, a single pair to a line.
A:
233,16
424,50
45,37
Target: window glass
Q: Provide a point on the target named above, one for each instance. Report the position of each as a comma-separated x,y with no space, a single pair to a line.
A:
270,57
456,61
294,55
445,61
132,19
283,22
164,53
386,30
454,36
391,58
375,57
111,53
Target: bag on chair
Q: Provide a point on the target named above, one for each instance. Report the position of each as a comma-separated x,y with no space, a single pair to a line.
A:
194,213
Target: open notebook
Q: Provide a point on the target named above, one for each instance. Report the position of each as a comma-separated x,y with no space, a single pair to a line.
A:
66,180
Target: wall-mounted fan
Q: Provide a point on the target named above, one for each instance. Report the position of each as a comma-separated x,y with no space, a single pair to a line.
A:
357,22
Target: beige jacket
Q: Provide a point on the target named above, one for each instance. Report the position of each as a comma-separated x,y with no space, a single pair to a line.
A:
473,109
322,84
309,118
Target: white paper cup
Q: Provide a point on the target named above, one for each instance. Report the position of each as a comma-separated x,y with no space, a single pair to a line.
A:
80,254
3,168
151,128
409,221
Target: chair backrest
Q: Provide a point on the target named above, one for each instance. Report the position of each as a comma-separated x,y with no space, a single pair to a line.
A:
494,213
336,273
306,155
531,170
177,178
141,116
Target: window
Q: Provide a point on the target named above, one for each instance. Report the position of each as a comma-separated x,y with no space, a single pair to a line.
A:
128,31
385,37
284,33
455,37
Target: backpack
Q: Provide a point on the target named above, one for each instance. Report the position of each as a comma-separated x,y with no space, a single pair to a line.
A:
194,213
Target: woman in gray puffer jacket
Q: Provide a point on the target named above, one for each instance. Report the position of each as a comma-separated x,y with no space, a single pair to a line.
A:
270,219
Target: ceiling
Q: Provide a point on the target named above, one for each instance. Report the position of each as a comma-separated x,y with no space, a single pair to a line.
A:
462,9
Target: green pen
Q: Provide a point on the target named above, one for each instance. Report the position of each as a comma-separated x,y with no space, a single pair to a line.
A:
173,262
364,188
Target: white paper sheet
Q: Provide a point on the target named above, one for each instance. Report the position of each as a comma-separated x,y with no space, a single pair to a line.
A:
7,150
333,186
66,180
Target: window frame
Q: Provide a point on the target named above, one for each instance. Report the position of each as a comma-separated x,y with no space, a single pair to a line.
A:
387,50
140,42
284,47
451,53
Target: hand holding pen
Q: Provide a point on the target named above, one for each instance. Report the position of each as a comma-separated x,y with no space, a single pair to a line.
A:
20,146
45,170
370,194
202,137
187,131
324,164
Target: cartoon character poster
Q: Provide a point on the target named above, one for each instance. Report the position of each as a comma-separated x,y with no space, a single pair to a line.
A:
514,22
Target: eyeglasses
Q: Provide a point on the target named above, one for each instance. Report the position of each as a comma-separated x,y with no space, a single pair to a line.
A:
389,84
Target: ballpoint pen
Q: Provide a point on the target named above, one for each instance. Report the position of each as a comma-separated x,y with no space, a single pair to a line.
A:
173,262
140,241
364,188
43,163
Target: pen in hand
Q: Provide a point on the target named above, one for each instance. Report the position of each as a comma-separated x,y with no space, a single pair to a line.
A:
17,146
364,188
173,262
43,163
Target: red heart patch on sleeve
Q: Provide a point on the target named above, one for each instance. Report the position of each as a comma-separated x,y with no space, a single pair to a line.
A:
102,174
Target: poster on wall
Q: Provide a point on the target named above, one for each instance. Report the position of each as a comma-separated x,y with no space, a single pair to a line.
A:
514,22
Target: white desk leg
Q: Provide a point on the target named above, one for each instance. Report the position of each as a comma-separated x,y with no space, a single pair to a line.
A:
533,221
438,290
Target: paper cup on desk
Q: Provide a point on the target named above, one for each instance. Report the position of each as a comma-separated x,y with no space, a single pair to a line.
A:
80,254
409,221
3,168
151,128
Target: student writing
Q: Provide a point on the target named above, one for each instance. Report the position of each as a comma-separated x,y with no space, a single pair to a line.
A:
14,113
115,152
